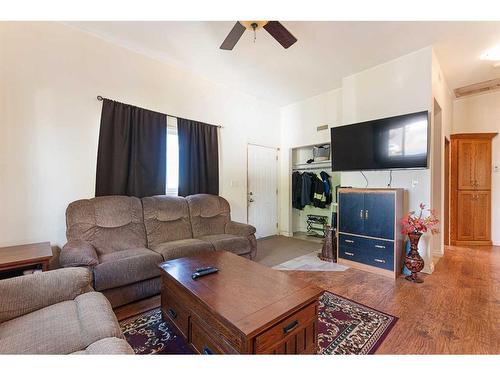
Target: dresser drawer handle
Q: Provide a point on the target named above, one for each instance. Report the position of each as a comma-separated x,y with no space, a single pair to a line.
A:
379,260
349,241
350,254
207,350
289,328
172,313
380,246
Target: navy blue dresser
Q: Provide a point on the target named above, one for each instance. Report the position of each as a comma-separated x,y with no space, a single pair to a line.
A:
369,233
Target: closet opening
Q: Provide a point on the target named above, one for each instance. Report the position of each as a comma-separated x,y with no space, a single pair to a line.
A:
314,186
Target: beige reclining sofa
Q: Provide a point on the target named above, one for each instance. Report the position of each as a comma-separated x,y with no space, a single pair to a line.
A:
123,239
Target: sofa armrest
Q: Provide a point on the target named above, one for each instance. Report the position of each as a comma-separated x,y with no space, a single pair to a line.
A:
78,253
239,229
24,294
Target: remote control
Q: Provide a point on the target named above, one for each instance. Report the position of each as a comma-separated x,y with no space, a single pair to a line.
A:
203,269
204,272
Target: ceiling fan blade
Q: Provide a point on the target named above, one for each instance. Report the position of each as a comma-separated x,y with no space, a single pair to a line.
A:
233,36
280,33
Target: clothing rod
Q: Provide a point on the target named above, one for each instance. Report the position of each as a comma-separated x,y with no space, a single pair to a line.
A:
310,169
100,98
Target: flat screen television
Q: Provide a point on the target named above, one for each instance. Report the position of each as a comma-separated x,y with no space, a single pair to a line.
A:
389,143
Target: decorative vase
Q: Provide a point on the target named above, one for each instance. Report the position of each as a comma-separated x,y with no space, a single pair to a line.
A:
413,260
328,252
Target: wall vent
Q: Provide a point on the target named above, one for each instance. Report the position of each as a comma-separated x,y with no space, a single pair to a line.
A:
322,127
477,88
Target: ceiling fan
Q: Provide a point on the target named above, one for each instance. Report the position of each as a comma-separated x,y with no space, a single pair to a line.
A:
275,28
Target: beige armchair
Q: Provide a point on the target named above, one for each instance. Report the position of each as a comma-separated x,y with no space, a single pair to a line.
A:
57,312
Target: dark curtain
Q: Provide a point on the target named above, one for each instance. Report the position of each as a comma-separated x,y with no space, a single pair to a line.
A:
198,158
131,158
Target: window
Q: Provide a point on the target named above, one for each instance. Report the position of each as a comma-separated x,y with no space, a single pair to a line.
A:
172,182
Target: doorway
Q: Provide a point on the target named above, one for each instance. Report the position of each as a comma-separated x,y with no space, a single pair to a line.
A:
262,189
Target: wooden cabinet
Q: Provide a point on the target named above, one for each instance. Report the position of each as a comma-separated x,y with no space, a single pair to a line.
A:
470,210
475,210
474,161
369,234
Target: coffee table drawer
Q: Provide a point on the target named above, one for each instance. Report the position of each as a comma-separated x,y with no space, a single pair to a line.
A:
284,331
202,341
206,343
175,313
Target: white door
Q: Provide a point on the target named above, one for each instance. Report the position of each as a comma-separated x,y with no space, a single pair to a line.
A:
262,189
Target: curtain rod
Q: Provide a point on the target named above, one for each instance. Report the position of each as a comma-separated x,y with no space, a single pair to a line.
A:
101,98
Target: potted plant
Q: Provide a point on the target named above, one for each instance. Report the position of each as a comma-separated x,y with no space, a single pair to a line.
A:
414,226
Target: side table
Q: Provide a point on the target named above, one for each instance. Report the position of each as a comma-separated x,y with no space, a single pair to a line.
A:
23,256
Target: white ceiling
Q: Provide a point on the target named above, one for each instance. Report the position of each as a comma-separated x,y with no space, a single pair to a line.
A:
325,51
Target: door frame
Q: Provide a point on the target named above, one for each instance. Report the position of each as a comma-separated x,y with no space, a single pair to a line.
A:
447,188
277,149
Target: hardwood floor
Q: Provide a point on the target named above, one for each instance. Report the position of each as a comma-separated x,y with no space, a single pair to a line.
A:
455,311
132,309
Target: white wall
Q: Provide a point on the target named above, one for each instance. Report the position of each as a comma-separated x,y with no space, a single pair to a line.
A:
298,128
443,96
399,86
481,114
50,75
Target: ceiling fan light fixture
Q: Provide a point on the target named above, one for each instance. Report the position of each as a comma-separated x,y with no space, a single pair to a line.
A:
249,25
274,28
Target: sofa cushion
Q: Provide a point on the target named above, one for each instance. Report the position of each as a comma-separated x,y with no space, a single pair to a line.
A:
166,219
108,223
110,345
229,242
182,248
209,214
62,328
126,267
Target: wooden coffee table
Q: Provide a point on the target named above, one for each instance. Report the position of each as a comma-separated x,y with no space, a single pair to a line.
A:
244,308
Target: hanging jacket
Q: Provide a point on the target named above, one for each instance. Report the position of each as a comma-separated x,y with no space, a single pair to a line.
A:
319,199
305,194
297,190
328,189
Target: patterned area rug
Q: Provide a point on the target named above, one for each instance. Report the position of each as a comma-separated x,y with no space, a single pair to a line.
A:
344,327
147,333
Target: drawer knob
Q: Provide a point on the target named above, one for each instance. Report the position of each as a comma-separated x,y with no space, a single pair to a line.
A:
379,260
289,328
172,313
207,350
349,241
380,246
350,254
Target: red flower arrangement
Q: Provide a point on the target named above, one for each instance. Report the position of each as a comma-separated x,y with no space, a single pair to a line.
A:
412,223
